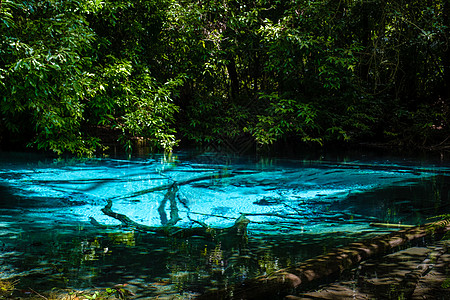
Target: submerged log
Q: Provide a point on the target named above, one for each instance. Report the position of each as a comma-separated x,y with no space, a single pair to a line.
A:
237,232
167,186
290,280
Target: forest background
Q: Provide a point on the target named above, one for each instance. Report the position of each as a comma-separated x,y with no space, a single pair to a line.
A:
79,75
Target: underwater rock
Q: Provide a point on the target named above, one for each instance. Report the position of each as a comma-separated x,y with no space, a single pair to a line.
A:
268,201
72,202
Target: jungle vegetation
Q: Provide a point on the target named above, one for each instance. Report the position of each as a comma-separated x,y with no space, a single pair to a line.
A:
78,74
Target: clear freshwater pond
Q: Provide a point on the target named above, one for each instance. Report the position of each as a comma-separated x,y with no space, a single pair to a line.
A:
54,233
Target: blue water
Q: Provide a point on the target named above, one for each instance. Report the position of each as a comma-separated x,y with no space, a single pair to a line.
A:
54,233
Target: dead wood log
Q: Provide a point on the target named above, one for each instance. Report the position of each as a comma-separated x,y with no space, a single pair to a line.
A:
234,234
178,183
292,279
237,232
391,225
171,197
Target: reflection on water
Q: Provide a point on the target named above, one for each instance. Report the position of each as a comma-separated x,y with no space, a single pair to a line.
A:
55,233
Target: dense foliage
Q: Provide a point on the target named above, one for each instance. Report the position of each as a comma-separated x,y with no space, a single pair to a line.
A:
226,72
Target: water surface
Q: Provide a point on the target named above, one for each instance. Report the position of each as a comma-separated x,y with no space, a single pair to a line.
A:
54,233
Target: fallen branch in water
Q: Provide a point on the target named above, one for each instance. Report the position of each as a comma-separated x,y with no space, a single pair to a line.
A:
292,279
178,183
171,197
236,232
390,225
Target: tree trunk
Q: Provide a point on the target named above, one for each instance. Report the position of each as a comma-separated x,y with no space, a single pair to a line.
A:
446,52
232,73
